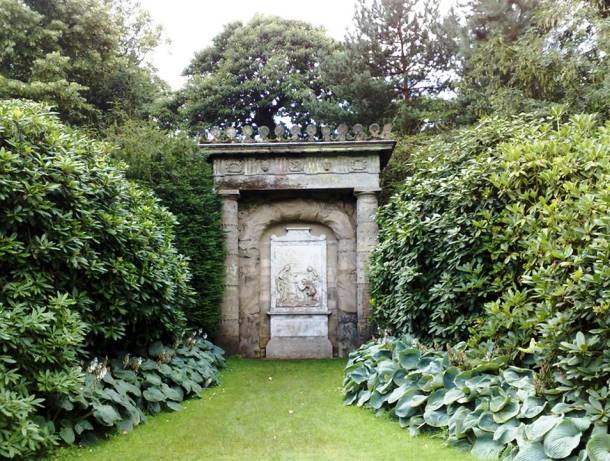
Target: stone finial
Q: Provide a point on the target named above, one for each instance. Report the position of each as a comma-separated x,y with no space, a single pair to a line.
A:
247,132
295,132
311,132
326,132
263,132
358,131
387,131
341,133
374,130
342,130
279,132
231,133
215,132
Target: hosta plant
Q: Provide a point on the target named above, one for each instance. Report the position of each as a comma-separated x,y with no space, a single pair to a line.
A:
492,409
118,393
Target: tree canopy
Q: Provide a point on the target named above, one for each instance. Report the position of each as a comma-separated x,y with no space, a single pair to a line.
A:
529,55
85,57
255,73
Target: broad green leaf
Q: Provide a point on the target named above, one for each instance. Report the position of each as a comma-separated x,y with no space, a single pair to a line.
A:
532,407
397,393
471,420
509,411
507,432
498,401
561,441
537,430
127,387
83,425
519,377
67,434
409,358
376,400
533,451
449,377
436,399
359,375
175,406
363,397
436,418
486,422
456,421
411,399
153,394
485,447
453,395
152,378
106,415
172,393
598,447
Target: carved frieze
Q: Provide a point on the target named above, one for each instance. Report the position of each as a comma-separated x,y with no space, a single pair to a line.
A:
299,165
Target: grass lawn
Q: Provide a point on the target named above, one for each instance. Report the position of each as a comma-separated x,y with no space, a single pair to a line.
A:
269,410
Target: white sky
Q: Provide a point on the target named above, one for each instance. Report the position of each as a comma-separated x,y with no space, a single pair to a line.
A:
190,25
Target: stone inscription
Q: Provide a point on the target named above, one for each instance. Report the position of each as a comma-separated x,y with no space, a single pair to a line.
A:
298,270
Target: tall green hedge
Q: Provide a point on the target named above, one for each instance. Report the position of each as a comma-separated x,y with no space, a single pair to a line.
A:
432,272
171,164
501,237
87,260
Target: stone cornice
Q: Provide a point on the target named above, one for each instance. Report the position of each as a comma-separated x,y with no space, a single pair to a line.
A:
383,147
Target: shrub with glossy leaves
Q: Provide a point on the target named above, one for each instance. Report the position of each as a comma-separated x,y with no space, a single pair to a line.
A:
504,232
432,272
86,260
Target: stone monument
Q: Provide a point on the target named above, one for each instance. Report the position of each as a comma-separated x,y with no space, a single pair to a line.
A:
299,221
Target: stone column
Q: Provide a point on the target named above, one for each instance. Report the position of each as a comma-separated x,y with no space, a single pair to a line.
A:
366,238
228,337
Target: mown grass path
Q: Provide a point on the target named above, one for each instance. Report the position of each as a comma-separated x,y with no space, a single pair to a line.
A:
270,410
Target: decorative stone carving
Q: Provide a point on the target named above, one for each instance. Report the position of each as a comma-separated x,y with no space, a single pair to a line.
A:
299,314
235,167
298,270
358,165
341,133
295,165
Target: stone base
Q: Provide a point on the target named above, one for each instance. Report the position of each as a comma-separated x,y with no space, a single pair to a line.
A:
299,347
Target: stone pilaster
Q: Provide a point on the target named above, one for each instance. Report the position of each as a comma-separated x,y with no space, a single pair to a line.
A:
228,337
366,238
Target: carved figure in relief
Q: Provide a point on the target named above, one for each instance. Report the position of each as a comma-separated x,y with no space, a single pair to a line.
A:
300,289
308,285
282,283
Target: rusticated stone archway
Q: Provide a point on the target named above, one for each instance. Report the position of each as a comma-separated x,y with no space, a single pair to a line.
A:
261,217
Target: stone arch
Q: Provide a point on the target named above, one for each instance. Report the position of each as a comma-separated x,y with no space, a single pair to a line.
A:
253,222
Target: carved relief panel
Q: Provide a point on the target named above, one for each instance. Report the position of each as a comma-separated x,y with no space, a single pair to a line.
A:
298,271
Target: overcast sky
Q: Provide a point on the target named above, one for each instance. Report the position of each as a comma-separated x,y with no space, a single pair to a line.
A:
190,25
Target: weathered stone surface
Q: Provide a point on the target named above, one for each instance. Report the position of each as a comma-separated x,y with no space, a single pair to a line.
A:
328,187
347,333
299,347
